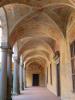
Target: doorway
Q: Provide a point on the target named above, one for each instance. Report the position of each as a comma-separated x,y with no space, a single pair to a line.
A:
58,78
35,80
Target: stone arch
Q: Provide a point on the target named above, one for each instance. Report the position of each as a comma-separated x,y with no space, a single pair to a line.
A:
41,60
71,27
13,9
35,43
4,26
34,63
33,13
37,56
16,52
36,52
59,4
41,32
73,2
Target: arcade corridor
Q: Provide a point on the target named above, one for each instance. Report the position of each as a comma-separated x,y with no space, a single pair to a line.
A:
36,93
37,48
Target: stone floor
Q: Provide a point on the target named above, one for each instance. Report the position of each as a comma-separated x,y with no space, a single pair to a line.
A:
36,93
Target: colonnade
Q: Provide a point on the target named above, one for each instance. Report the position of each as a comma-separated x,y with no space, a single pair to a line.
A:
10,83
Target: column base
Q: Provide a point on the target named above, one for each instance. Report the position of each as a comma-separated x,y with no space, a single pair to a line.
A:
22,88
15,94
9,98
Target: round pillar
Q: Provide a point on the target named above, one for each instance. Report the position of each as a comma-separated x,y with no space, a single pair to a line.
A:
21,78
16,85
3,76
9,74
24,77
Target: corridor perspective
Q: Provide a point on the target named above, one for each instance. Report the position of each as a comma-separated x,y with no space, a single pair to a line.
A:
36,93
37,49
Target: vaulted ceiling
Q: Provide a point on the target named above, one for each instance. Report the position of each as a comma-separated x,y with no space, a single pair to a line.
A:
34,3
38,26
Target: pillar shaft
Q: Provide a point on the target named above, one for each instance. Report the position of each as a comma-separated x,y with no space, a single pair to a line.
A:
21,78
16,85
25,79
24,76
3,76
9,74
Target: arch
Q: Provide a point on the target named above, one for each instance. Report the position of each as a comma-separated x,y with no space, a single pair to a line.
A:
59,4
51,5
15,52
47,40
71,27
33,4
4,26
36,56
35,43
42,61
24,29
33,52
73,2
33,13
34,63
21,10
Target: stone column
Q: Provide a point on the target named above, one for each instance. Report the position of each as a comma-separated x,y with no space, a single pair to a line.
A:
45,76
3,74
21,78
9,74
65,71
24,77
16,85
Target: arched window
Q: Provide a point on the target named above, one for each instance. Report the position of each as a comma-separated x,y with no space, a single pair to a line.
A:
72,47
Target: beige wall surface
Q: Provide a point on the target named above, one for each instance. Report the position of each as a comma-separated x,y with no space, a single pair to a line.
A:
66,85
35,70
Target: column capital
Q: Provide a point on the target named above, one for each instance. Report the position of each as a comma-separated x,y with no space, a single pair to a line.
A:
4,46
16,59
57,55
10,51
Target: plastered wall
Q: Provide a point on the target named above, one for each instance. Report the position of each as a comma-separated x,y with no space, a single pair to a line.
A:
66,84
35,70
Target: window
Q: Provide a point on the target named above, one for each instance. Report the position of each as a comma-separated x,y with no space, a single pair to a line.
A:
72,48
50,73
